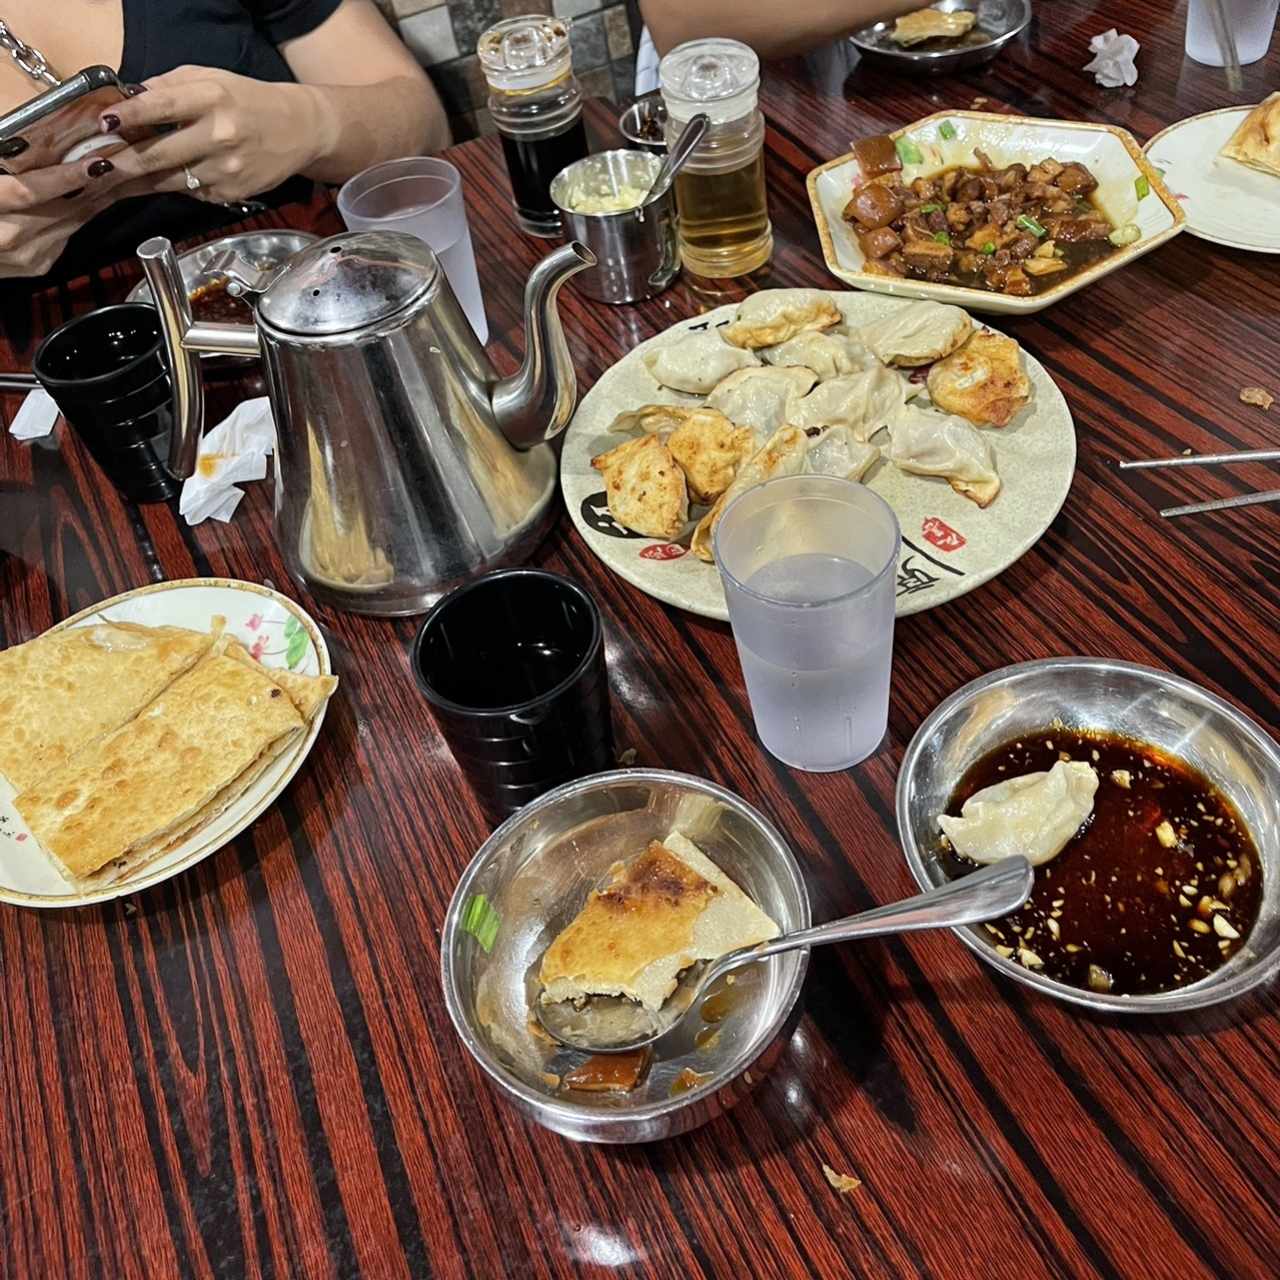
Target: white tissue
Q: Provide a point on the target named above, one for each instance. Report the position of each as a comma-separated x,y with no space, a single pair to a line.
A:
36,416
235,451
1113,64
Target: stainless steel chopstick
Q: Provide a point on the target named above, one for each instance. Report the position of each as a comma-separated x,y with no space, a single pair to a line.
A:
18,382
1205,459
1221,504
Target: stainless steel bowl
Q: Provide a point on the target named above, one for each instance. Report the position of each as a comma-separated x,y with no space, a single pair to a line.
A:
535,872
999,21
650,111
1121,697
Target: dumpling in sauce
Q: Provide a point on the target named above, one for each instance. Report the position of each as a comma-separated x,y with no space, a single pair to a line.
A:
761,398
774,315
697,361
828,354
933,444
864,402
918,334
1035,815
839,452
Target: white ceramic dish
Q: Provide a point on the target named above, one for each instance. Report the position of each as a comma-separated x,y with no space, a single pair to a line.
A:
277,631
1110,154
950,546
1225,202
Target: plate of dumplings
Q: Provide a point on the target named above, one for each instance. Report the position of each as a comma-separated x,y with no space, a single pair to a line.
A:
962,432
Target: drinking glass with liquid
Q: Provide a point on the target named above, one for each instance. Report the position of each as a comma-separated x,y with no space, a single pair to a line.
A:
720,193
809,571
536,106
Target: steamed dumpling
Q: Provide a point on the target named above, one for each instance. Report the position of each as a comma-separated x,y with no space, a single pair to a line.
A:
710,449
644,487
761,398
918,334
650,419
1034,815
864,402
827,354
774,315
783,454
933,444
839,452
697,362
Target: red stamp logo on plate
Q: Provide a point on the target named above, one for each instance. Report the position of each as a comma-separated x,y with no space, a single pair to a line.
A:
662,551
941,534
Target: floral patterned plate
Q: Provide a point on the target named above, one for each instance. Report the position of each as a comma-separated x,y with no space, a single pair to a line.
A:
276,631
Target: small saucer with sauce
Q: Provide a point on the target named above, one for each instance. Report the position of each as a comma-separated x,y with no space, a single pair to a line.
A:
1101,927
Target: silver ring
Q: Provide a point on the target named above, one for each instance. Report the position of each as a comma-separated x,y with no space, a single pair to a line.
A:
193,183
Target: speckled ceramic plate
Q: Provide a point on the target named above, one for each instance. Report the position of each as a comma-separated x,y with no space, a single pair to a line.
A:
277,631
949,545
1225,202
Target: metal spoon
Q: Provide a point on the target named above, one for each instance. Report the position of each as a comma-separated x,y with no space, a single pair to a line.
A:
613,1024
676,157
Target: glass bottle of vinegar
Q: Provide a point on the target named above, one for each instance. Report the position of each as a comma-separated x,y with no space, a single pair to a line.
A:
537,108
720,193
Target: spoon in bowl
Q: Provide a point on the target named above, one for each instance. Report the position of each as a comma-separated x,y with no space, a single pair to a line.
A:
614,1024
676,158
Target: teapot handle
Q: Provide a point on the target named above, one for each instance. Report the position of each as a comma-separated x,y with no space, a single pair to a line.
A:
170,296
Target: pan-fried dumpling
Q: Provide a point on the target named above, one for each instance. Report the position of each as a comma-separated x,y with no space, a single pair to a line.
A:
710,449
774,315
864,402
644,487
761,398
1035,815
934,444
697,362
918,334
827,354
839,452
650,419
783,454
983,381
931,24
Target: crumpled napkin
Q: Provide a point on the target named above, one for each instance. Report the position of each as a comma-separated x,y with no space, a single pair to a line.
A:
1113,65
36,416
233,452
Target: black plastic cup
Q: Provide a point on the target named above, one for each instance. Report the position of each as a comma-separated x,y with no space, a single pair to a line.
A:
108,374
513,666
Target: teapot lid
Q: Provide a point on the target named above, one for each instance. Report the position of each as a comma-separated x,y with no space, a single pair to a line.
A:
348,283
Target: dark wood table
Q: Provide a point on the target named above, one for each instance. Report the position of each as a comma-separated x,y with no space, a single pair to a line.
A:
249,1070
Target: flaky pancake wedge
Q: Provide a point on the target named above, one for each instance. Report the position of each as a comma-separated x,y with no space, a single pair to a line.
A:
307,693
65,688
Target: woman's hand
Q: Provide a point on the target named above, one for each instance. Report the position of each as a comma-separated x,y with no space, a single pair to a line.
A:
236,136
41,209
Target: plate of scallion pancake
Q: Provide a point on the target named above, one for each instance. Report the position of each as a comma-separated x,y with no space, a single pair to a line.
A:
145,732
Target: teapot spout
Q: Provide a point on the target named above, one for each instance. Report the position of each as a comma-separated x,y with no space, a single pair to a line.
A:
535,404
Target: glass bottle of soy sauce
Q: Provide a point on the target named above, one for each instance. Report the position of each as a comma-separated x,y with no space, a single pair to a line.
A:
537,107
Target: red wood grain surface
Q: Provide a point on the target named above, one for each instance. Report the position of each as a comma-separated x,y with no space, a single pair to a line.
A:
250,1071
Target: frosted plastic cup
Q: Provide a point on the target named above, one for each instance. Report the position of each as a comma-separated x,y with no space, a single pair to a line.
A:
1251,21
809,570
422,197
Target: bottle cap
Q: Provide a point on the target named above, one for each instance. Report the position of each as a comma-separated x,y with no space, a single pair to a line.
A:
720,77
519,54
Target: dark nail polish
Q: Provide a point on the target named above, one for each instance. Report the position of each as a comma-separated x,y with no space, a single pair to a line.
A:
110,122
71,195
100,168
13,146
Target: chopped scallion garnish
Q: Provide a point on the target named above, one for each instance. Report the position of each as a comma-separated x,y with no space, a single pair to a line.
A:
907,151
1142,186
942,237
989,247
930,208
947,130
481,921
1028,223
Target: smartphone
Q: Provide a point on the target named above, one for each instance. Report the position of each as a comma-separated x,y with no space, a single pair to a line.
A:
61,124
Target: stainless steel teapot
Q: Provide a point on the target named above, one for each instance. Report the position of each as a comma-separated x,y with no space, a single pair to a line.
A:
404,464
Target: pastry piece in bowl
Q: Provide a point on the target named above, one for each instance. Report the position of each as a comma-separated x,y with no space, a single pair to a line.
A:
932,24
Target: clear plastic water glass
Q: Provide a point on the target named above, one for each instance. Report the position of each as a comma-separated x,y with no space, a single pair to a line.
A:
422,197
1252,23
809,571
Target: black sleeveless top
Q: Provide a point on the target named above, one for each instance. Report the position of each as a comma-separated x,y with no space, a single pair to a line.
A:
159,35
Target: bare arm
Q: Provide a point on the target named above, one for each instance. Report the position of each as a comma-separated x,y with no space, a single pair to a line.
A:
372,100
773,31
